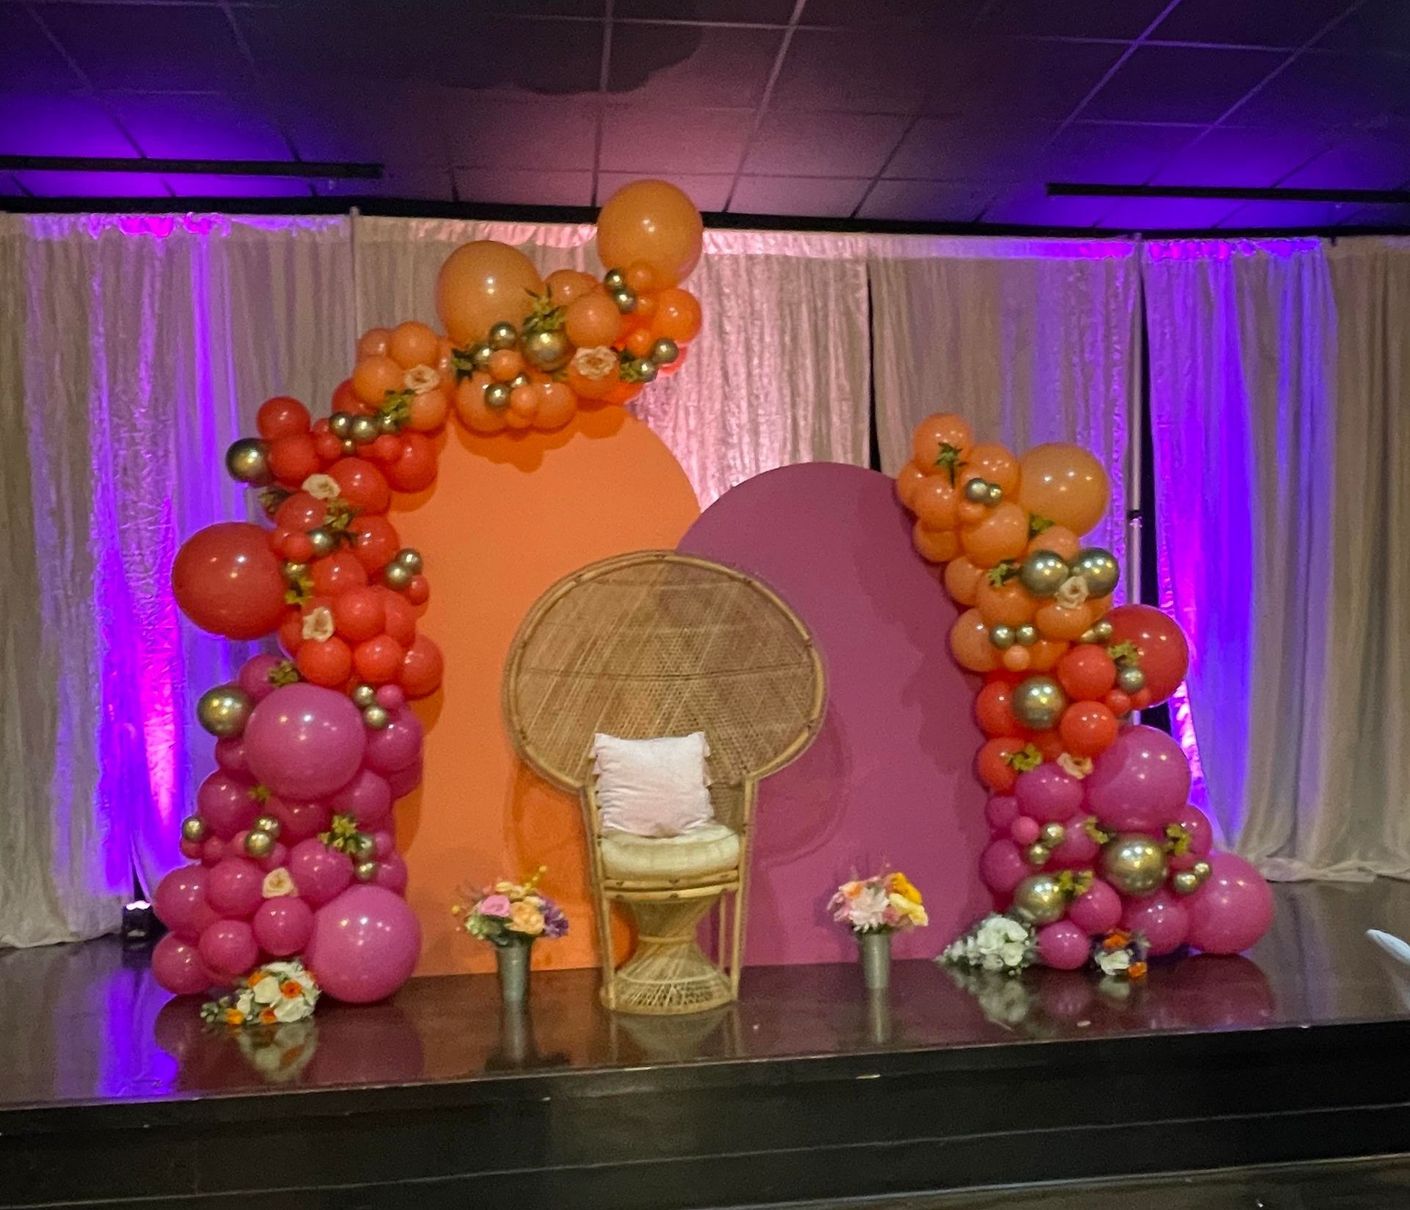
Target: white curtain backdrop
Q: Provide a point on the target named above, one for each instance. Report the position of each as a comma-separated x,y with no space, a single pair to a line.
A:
1032,340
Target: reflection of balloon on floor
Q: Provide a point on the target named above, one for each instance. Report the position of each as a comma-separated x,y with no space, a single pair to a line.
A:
372,1044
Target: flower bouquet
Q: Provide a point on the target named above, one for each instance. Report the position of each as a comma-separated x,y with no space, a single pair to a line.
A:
874,908
996,943
277,993
1121,955
511,916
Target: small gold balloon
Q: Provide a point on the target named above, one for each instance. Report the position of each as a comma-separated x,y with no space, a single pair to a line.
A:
363,429
1201,870
340,423
247,460
364,696
397,575
665,351
548,351
267,823
1037,854
1130,679
1025,635
1039,899
224,710
1134,864
625,300
497,395
349,445
193,828
976,491
410,558
480,355
324,543
1102,630
614,279
1184,882
259,845
1038,702
366,871
503,336
1053,834
363,847
376,718
388,423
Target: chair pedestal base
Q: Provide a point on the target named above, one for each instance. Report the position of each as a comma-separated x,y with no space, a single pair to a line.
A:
668,973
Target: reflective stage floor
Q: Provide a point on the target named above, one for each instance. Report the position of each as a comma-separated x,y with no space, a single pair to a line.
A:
807,1089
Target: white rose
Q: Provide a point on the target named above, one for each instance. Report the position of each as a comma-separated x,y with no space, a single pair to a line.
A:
1075,766
318,624
266,991
292,1010
1071,593
598,362
1114,963
245,1002
321,487
992,962
1013,953
420,379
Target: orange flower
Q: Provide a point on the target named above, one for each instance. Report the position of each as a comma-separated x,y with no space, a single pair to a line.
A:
1137,970
1117,941
233,1016
290,988
267,1017
254,977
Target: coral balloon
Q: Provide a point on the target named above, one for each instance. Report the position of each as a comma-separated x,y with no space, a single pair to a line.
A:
359,613
374,542
327,662
294,458
970,645
1088,728
421,668
1001,535
365,944
592,320
652,222
1140,783
228,949
1087,673
337,573
361,484
401,618
677,316
282,416
481,284
300,511
304,742
283,926
177,967
378,660
941,441
992,765
413,344
227,581
993,710
1165,655
962,580
1232,910
1064,484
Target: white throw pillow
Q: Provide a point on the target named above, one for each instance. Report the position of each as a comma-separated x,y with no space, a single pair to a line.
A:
653,787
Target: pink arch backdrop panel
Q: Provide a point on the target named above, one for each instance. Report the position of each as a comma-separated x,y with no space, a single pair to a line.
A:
889,777
506,518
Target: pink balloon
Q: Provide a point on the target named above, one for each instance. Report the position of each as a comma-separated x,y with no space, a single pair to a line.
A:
1024,830
1000,812
364,946
212,850
1140,783
283,925
319,872
404,781
180,902
1097,909
1048,794
228,948
391,873
1197,824
1161,918
391,697
233,888
1078,850
385,843
1063,945
177,967
192,850
299,820
278,856
368,798
304,742
1232,910
224,803
1002,867
230,756
253,676
397,746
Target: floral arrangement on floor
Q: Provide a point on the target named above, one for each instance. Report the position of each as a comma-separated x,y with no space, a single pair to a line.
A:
995,943
277,993
511,913
1121,955
883,903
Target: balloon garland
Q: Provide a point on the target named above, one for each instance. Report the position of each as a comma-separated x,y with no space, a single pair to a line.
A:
292,842
1088,813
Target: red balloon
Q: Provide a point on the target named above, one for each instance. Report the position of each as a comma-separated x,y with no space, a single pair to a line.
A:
328,447
359,613
1087,728
301,512
294,458
297,548
421,668
282,416
361,484
334,573
991,767
374,541
228,581
418,590
1165,655
415,466
401,618
379,660
993,709
327,662
291,630
1087,672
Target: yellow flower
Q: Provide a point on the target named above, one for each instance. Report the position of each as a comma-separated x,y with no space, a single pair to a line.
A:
233,1016
908,908
526,918
901,885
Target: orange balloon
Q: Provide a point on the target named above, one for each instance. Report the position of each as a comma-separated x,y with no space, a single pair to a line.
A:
907,481
475,414
994,464
427,411
936,503
482,284
1001,535
1058,539
654,223
374,377
327,663
962,580
1045,653
1048,743
379,659
1065,484
969,512
505,364
564,285
1100,607
1008,604
970,645
934,435
935,545
677,316
1087,673
557,403
1087,728
413,344
592,320
590,388
1016,659
1057,622
374,342
524,401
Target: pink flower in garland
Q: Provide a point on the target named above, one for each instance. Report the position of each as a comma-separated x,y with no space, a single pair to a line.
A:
495,905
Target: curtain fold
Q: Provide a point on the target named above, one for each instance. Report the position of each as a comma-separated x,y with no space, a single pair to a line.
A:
1032,340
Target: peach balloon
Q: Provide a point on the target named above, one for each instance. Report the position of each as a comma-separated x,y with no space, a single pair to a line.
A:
475,414
970,645
936,502
652,222
994,464
1016,659
413,344
1065,484
907,481
557,403
1001,535
1058,539
935,545
374,342
373,377
427,410
935,436
1008,604
481,284
564,285
592,320
962,580
1045,653
677,316
1056,622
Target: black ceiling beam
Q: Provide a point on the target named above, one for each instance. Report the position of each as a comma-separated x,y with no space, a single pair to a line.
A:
330,170
1233,193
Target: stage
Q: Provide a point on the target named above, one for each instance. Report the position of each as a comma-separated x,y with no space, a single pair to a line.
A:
806,1090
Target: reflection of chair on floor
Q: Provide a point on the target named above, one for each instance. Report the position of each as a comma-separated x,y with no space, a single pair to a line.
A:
648,645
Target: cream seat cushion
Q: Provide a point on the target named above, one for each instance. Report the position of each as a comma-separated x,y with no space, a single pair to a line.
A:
703,850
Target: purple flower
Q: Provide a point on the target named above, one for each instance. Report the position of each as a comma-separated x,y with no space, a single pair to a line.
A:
555,923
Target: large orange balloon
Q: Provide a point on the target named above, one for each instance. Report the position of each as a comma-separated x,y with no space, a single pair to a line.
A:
1065,484
482,284
227,580
970,645
652,222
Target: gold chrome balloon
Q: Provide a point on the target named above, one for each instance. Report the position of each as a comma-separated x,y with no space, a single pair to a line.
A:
267,823
1202,870
247,460
1038,702
1037,854
1134,864
366,871
503,336
376,718
224,710
1040,899
362,847
364,696
324,541
193,828
1053,834
1184,882
396,575
1130,679
1099,568
1043,572
548,351
665,351
410,558
259,845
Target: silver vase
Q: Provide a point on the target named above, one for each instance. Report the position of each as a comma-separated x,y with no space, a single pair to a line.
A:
876,959
513,962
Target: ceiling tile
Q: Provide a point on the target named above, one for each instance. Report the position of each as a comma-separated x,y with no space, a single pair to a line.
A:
1164,214
837,144
1030,206
1111,153
33,123
338,120
810,197
1001,76
199,126
171,47
752,12
1236,155
412,182
1180,84
482,131
925,201
205,185
963,149
709,193
687,66
522,187
648,139
93,184
1286,23
866,71
1275,215
1379,26
1330,89
1363,159
28,59
1071,18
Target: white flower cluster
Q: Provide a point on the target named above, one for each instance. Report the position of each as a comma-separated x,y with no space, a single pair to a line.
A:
996,943
1114,962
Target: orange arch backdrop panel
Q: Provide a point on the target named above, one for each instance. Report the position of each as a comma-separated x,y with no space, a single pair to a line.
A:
506,518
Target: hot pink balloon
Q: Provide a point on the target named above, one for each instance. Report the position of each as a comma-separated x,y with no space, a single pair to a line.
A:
1024,830
1232,910
177,967
364,945
304,742
212,850
192,850
1002,867
283,925
233,887
391,697
224,803
397,746
1161,918
1140,783
278,856
385,842
253,676
1078,850
230,756
1197,824
228,948
404,781
1097,909
367,798
1000,812
1048,794
299,820
180,902
319,872
392,874
1063,945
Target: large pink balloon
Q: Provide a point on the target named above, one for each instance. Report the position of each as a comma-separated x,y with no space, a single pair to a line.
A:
224,803
304,742
367,798
396,746
283,925
1063,945
319,872
1162,919
1232,910
364,945
233,887
177,966
1047,794
1140,783
1002,867
180,902
1097,909
228,948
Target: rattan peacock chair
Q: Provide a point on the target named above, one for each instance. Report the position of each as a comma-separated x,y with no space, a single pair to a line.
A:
655,644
